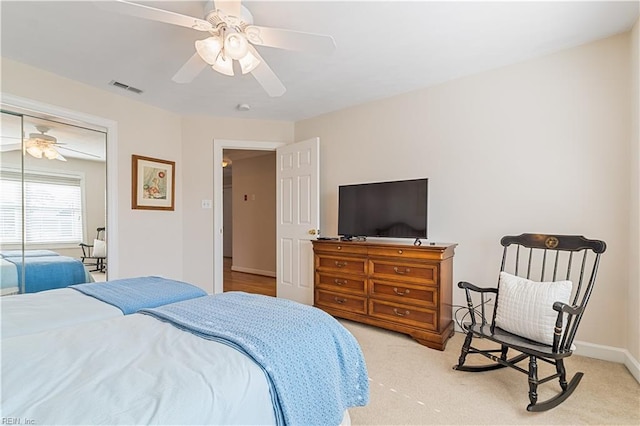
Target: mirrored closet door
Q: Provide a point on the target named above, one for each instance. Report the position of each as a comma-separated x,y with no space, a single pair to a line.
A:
52,203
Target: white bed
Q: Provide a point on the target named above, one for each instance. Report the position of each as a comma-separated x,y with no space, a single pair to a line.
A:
170,377
47,310
51,309
135,369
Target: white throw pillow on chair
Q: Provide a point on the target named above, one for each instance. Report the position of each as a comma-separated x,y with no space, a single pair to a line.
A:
525,307
99,248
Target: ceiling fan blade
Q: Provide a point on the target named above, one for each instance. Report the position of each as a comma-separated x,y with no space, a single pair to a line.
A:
290,40
153,14
266,77
190,69
229,7
10,147
79,152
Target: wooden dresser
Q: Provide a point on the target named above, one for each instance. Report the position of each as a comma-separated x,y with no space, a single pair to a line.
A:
400,287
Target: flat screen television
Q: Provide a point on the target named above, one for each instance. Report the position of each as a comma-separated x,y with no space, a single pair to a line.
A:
395,209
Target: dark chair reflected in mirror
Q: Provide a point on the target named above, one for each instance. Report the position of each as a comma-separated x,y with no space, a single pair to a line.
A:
95,255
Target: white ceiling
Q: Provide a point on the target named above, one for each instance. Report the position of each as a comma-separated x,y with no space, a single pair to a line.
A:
383,48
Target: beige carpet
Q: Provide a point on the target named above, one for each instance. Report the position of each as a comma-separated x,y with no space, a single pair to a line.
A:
412,384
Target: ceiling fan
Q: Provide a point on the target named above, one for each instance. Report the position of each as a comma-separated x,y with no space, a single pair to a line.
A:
231,37
41,145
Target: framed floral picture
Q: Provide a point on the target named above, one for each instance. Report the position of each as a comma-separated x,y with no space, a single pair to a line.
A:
152,183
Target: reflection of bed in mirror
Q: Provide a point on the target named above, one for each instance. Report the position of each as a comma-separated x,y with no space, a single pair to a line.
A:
43,270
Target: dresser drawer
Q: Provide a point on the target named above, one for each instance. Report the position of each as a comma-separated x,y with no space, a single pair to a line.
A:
343,301
404,293
425,273
341,264
404,314
346,283
402,252
338,248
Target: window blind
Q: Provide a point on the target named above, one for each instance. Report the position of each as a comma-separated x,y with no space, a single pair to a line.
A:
52,208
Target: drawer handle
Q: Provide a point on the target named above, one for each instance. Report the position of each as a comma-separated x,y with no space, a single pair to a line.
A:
340,301
400,314
398,271
340,282
341,264
401,293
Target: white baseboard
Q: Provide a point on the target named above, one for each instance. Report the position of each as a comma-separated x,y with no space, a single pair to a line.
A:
609,353
254,271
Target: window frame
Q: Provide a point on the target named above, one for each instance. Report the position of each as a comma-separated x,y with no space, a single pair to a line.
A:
44,173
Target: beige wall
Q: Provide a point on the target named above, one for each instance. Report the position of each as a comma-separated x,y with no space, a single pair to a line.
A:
633,331
198,133
149,242
254,219
540,146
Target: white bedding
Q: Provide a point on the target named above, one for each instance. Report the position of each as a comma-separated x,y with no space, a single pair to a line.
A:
8,278
47,310
130,370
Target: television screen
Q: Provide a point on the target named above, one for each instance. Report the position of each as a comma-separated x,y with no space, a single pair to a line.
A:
383,209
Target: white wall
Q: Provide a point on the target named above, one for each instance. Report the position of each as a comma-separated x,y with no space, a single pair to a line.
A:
633,332
540,146
149,242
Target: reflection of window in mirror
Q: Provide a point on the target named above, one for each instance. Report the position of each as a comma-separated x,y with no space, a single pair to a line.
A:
52,173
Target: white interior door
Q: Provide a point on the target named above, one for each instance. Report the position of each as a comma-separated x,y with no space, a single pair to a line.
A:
298,218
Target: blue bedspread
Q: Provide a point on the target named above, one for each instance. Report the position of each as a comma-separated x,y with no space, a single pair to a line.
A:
132,294
48,272
314,366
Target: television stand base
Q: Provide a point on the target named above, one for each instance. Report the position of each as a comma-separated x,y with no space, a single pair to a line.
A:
352,238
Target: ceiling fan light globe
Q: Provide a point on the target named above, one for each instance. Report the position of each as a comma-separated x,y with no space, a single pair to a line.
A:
224,66
236,45
209,49
50,153
35,151
248,63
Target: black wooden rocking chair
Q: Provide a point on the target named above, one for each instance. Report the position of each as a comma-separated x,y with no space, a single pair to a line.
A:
91,256
525,258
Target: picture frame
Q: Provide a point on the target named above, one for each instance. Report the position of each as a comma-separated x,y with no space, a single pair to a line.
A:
152,183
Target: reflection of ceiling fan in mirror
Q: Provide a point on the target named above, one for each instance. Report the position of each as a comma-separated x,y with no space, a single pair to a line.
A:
232,36
41,145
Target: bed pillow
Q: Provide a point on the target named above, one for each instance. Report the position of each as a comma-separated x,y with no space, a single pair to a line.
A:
525,307
99,248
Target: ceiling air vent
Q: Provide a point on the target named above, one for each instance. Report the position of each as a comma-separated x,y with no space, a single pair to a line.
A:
125,87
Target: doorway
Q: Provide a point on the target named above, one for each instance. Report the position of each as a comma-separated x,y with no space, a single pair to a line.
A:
219,145
249,221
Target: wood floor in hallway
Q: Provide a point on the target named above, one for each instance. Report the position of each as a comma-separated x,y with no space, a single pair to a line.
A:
249,283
